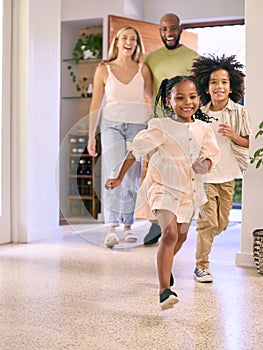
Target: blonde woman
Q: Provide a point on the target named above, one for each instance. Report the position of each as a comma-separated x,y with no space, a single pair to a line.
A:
120,85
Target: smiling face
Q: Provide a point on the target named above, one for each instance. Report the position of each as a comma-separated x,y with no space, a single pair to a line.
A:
170,31
184,100
127,42
219,86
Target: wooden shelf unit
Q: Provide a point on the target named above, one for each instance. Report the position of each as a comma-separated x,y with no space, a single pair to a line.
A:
78,200
82,199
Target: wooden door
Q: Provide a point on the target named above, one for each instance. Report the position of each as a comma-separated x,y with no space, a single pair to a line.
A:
149,32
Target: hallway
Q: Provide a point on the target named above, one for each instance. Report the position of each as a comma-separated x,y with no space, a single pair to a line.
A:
66,293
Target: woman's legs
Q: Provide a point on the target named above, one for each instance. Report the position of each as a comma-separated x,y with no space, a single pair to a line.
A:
131,180
113,153
114,139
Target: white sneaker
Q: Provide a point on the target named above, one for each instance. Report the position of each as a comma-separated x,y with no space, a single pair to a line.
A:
202,276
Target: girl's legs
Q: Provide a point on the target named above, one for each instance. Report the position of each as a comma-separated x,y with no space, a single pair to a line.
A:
182,236
173,236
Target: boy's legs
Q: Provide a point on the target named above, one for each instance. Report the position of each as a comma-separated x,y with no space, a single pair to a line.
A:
212,220
207,224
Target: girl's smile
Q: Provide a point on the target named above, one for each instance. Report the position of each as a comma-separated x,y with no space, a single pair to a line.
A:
184,100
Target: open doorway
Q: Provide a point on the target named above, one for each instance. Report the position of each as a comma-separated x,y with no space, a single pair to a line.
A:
223,38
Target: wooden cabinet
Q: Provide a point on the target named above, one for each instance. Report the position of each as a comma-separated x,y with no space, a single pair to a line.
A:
82,199
77,195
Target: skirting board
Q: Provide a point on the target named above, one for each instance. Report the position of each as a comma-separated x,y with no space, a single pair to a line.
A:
244,259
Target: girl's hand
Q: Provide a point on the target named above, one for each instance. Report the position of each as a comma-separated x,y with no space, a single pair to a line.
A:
92,148
202,166
112,183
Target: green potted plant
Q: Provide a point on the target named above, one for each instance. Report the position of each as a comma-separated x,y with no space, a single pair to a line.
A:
257,159
88,46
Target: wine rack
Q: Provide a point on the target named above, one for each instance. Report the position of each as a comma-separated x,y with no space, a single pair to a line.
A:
82,199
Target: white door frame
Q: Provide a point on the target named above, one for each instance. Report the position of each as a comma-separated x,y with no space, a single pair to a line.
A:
5,137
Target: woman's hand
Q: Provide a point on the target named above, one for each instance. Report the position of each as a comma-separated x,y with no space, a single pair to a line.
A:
92,148
112,183
202,166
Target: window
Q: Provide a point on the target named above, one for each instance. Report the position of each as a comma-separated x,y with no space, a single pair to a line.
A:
218,40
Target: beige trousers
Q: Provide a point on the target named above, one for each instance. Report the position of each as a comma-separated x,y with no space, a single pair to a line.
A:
213,219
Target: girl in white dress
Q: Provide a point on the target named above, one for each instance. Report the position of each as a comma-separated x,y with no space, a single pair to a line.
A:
183,149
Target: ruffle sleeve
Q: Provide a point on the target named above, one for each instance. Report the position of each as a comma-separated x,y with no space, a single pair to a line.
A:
147,140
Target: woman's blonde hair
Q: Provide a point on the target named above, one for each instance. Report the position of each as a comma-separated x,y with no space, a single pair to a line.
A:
138,52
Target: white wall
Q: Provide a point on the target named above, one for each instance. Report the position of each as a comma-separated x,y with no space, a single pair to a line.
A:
35,118
83,9
152,10
198,10
252,213
36,93
72,10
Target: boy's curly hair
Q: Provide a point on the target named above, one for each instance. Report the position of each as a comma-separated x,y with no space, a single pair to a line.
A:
203,66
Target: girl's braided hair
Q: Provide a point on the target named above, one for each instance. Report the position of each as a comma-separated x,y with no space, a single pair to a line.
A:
203,66
164,93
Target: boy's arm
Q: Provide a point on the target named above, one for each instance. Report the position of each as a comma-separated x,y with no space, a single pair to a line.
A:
226,130
126,164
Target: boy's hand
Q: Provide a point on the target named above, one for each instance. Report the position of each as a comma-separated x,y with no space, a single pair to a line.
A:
226,130
202,166
112,183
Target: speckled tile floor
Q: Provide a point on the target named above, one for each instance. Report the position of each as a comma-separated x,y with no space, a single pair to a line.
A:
66,293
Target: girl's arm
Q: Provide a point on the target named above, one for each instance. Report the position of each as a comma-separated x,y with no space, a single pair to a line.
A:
97,96
126,164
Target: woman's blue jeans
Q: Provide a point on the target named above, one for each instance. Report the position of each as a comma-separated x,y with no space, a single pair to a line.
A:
119,203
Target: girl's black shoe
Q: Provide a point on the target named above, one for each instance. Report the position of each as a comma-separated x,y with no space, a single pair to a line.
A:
168,299
171,280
